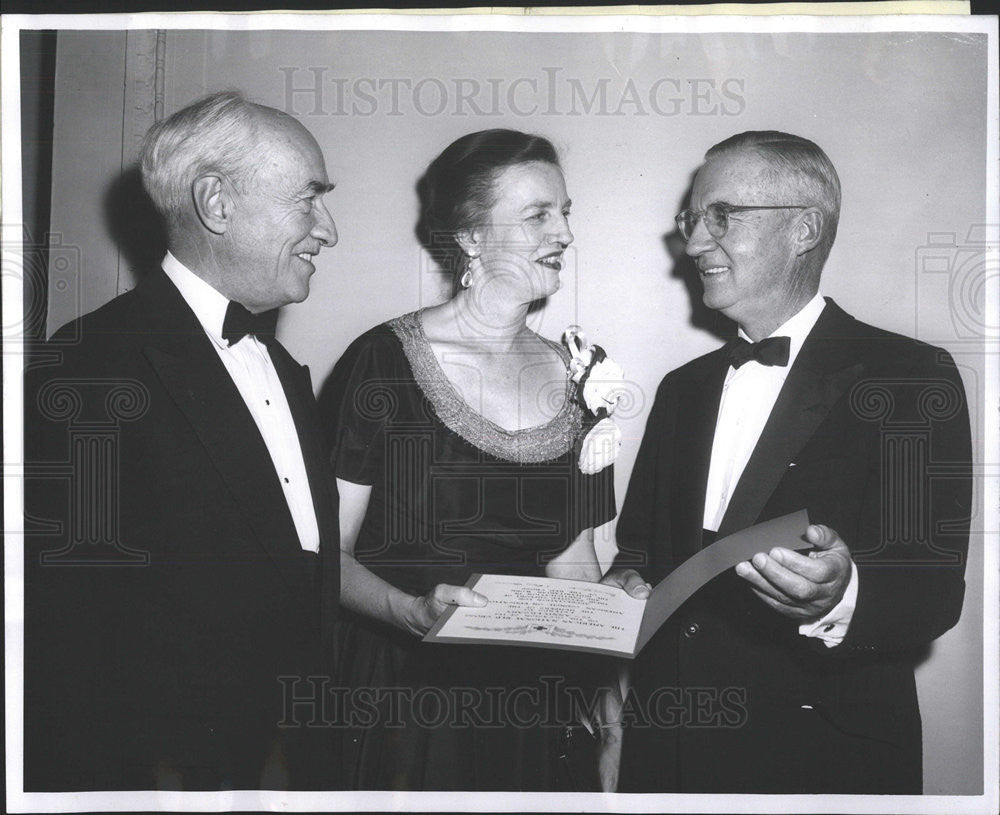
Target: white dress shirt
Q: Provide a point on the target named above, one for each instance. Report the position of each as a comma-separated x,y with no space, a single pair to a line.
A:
249,364
748,397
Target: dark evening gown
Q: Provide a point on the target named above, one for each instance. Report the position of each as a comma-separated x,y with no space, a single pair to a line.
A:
452,495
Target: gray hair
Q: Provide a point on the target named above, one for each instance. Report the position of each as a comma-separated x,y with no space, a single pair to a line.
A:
797,163
218,133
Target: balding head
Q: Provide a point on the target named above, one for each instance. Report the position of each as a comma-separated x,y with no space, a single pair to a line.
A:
241,187
222,133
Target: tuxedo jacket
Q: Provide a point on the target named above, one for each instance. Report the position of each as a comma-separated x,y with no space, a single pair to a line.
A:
870,434
167,593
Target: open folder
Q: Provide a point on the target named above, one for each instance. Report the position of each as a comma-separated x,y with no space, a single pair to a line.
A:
545,612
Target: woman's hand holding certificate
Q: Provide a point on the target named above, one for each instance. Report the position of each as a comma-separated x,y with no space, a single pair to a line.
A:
425,610
545,612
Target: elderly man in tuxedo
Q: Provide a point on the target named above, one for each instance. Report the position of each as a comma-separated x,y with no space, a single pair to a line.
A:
181,582
806,657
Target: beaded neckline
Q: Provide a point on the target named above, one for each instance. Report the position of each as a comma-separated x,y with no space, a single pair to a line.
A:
528,445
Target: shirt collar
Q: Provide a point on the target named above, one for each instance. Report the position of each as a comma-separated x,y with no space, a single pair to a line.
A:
797,328
207,303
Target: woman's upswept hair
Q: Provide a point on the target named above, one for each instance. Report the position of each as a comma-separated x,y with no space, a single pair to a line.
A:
457,191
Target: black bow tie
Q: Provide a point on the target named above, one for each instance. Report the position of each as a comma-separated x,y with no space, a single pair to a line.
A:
770,351
239,322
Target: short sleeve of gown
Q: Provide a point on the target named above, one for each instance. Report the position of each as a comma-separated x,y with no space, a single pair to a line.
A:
357,401
599,498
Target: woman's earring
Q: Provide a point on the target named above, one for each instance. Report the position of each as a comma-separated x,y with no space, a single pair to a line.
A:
466,279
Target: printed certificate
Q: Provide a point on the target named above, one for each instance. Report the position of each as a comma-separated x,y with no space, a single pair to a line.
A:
545,612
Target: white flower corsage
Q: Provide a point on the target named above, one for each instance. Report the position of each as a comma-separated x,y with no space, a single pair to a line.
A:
600,383
600,447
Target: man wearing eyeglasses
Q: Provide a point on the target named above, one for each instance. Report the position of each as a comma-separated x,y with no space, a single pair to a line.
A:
800,663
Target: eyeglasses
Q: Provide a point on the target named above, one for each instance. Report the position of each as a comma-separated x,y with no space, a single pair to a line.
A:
717,217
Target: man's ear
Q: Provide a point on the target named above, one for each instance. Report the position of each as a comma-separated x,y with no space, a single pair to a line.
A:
212,203
468,241
809,230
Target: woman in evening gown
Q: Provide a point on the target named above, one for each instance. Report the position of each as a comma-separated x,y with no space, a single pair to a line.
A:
456,439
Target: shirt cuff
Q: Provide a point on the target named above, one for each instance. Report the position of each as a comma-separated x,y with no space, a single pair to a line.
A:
832,628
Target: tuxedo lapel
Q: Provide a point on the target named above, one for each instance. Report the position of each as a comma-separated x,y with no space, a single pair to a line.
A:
190,370
297,385
821,373
697,413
